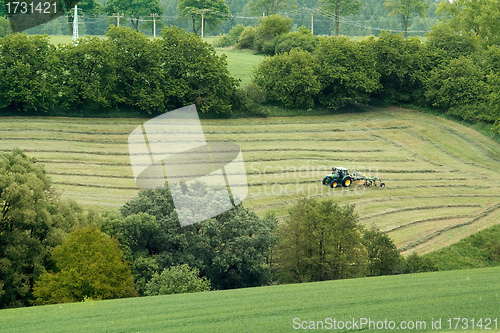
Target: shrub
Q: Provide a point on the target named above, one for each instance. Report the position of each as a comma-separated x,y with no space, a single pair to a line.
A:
28,73
403,65
452,43
177,280
348,72
247,38
89,265
300,39
270,27
460,82
231,38
289,78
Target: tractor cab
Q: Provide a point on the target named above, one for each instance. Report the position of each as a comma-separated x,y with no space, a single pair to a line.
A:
339,176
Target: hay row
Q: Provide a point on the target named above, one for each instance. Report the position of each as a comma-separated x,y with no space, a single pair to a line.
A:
407,209
432,235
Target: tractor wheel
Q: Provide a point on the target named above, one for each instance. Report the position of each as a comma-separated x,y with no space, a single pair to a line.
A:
368,183
347,182
324,181
334,184
382,184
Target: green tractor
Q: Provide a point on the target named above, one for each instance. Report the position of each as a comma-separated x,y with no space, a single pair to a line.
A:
339,176
345,177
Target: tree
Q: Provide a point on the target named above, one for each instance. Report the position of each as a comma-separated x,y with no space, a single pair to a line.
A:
270,7
28,73
269,28
88,73
212,11
403,65
458,82
193,72
137,77
5,28
383,256
177,280
348,72
320,241
289,78
88,265
134,9
32,221
231,250
478,17
406,10
341,8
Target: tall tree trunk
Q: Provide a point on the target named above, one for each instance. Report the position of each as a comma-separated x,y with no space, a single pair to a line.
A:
70,23
337,20
405,25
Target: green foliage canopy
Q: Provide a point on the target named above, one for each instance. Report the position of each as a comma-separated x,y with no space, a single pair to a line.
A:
320,240
89,266
179,279
289,78
134,9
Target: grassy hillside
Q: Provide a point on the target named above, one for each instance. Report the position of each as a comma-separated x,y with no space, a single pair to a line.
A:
471,294
443,179
481,249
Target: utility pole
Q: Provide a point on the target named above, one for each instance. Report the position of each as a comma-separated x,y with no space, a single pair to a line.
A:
118,18
312,18
75,26
154,16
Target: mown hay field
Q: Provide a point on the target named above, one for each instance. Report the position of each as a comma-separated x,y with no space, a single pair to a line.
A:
442,179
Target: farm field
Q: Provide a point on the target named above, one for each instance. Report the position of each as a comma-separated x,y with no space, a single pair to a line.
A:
416,299
442,179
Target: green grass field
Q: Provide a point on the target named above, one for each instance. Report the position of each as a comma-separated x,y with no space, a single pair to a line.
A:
417,298
442,179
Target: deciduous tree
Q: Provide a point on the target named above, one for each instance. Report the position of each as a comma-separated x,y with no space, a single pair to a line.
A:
406,9
320,240
134,9
213,12
89,264
341,8
270,7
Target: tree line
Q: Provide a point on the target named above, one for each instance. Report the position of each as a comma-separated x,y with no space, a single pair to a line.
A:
125,71
452,72
52,251
332,17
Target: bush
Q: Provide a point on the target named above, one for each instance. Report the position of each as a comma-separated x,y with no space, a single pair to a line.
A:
285,43
177,280
270,27
29,70
452,43
231,38
5,28
289,78
89,265
458,83
403,65
192,72
348,72
247,38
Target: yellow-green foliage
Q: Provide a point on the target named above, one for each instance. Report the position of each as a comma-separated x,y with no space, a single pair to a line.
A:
89,265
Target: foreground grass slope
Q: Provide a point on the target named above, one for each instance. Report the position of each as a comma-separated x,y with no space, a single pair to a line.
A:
417,297
443,179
